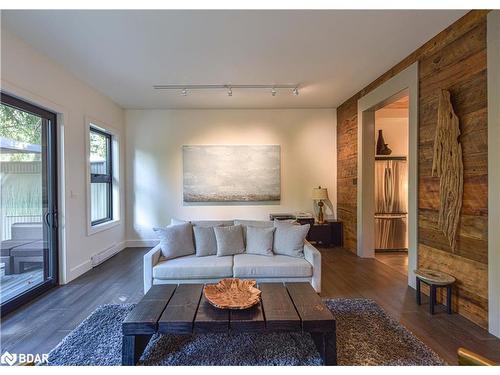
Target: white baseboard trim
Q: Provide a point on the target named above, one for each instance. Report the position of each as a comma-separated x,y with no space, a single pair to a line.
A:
142,243
107,253
79,270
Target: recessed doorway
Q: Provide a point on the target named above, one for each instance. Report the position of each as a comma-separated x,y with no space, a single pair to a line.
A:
400,90
391,184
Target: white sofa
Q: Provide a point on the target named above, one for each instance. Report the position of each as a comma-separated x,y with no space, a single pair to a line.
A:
208,269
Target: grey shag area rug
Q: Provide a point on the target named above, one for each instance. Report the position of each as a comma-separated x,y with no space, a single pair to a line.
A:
366,335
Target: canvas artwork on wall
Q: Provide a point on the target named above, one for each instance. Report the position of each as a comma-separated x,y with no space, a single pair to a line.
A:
232,173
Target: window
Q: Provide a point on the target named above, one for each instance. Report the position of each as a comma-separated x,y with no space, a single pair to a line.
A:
101,176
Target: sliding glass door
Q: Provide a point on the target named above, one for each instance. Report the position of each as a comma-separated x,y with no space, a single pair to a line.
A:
28,202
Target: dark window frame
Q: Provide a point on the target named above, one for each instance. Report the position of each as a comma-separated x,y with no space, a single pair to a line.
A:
106,178
51,263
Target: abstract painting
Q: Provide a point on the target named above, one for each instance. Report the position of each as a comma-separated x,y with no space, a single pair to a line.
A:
232,173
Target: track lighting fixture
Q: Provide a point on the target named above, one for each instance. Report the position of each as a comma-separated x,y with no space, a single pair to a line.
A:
229,87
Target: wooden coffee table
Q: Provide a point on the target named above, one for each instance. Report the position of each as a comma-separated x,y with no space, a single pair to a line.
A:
182,309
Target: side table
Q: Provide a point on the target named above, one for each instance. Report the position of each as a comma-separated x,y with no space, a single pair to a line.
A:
329,233
435,279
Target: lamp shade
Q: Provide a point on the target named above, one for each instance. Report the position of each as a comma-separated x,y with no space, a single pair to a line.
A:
319,194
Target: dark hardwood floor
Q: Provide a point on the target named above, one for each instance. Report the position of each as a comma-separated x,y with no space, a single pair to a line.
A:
39,326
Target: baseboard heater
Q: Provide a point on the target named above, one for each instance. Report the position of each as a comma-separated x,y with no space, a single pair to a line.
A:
98,258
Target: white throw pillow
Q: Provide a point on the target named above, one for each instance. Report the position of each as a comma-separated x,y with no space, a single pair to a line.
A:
229,240
176,240
259,240
289,238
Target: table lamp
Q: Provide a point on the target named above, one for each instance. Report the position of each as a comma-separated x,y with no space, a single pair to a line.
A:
320,194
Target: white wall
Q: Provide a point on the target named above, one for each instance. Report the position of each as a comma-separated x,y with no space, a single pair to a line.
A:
154,160
394,126
36,78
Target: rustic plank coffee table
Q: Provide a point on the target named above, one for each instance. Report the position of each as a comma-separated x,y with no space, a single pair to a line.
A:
183,309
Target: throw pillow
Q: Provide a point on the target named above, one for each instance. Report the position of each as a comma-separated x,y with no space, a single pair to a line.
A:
205,242
260,240
174,221
229,240
289,239
252,223
176,240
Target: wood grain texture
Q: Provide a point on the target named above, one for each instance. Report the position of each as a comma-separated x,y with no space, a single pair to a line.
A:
248,320
278,307
143,319
178,316
236,294
454,60
447,165
314,314
210,318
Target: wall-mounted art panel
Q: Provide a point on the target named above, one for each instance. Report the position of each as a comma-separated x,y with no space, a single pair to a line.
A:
228,173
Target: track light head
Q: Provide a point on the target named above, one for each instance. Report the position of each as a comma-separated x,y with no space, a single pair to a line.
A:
184,92
229,92
273,92
295,91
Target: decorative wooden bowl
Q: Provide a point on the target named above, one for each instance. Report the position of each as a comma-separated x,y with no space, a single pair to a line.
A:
232,294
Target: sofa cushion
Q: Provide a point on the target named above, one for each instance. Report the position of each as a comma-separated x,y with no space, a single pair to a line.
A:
8,245
33,249
213,223
193,267
260,240
176,240
204,240
250,265
253,223
289,238
26,231
229,240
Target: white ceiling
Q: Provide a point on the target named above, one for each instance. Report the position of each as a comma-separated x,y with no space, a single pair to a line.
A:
331,54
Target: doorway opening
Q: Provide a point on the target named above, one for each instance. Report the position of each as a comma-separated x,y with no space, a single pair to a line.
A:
28,202
391,185
395,90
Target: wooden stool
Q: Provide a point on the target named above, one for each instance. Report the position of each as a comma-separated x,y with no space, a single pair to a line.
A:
435,279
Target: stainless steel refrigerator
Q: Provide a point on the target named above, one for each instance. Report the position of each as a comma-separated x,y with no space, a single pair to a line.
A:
391,195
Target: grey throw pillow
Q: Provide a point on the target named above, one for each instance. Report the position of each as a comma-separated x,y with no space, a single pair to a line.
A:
229,240
289,239
253,223
205,242
260,240
174,221
176,240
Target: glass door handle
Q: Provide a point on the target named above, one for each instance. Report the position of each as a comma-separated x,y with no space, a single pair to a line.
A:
50,219
46,219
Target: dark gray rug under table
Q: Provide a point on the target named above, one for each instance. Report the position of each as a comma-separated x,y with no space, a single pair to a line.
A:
366,335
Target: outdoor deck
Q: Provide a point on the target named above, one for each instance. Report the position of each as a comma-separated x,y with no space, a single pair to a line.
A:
12,285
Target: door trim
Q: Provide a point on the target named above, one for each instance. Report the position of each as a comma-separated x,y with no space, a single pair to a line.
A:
405,82
493,34
52,202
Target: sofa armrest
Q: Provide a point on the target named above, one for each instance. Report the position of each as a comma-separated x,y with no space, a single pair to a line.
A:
151,258
313,256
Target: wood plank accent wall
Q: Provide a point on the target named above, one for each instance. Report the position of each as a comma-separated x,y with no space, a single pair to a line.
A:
454,60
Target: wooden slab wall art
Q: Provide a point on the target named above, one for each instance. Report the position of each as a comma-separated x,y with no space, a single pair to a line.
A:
447,164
